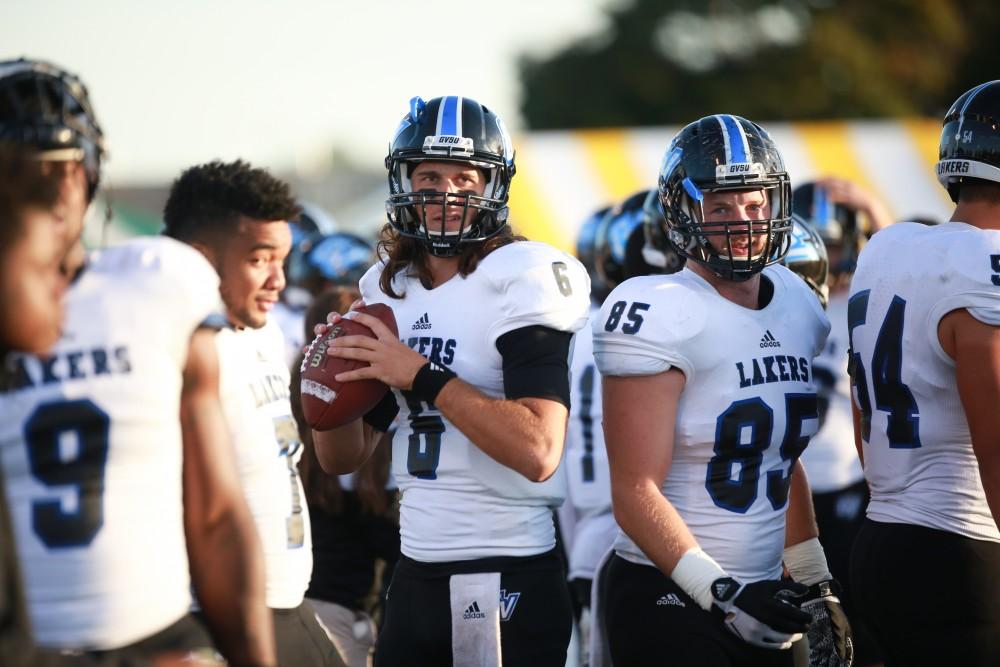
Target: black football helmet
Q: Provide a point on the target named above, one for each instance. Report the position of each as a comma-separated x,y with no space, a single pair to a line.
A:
321,260
313,220
586,240
837,225
806,256
970,138
656,249
715,154
620,239
449,129
48,108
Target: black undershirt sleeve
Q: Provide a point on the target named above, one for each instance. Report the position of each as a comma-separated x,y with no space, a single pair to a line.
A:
380,417
536,363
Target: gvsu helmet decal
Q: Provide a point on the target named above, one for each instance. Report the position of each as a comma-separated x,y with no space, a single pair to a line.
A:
715,154
449,129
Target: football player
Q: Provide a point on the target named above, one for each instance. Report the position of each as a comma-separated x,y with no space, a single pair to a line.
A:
313,222
708,402
481,378
841,214
316,263
31,287
60,123
236,216
118,505
923,318
612,246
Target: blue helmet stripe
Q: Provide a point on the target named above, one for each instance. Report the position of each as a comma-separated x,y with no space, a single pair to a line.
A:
821,207
448,116
692,189
968,101
736,139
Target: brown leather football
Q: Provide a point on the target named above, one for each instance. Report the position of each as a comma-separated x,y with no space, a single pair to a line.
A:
327,403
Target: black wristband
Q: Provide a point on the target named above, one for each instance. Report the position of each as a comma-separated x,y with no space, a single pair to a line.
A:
430,380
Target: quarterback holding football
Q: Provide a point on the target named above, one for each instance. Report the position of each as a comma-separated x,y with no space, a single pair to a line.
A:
479,377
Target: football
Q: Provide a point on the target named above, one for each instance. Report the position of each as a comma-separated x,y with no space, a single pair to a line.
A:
327,403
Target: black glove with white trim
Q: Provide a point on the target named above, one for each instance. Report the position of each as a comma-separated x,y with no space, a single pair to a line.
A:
764,613
831,643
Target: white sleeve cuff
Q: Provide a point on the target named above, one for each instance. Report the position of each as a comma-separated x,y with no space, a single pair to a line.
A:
694,573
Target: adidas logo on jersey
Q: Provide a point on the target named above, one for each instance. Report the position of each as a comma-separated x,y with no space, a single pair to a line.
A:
423,323
671,599
473,612
769,340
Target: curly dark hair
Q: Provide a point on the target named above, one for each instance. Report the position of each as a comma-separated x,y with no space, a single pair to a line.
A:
209,199
402,252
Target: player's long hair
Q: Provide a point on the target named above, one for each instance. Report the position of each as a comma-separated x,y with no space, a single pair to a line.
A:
401,252
323,490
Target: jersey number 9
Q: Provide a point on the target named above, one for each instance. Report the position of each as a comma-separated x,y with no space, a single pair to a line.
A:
50,433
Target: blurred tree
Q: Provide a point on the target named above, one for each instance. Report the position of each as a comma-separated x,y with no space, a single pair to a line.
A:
669,61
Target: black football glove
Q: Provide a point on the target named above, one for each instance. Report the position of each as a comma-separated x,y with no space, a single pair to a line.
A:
830,641
764,613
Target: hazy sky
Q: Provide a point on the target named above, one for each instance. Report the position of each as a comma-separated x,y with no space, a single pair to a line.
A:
179,82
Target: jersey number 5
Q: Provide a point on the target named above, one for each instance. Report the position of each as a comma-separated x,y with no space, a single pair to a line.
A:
68,448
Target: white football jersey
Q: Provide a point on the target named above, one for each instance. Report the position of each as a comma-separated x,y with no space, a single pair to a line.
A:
918,452
458,503
831,460
746,412
255,395
586,462
92,451
291,321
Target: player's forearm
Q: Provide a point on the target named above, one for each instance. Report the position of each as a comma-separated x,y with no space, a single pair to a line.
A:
652,522
344,449
800,520
227,569
509,432
856,419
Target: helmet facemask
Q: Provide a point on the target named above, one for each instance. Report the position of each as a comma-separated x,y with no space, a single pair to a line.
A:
691,235
480,216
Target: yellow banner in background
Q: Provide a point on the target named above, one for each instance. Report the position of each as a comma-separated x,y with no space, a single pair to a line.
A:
563,177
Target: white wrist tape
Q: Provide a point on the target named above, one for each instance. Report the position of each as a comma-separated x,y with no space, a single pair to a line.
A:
695,572
806,562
